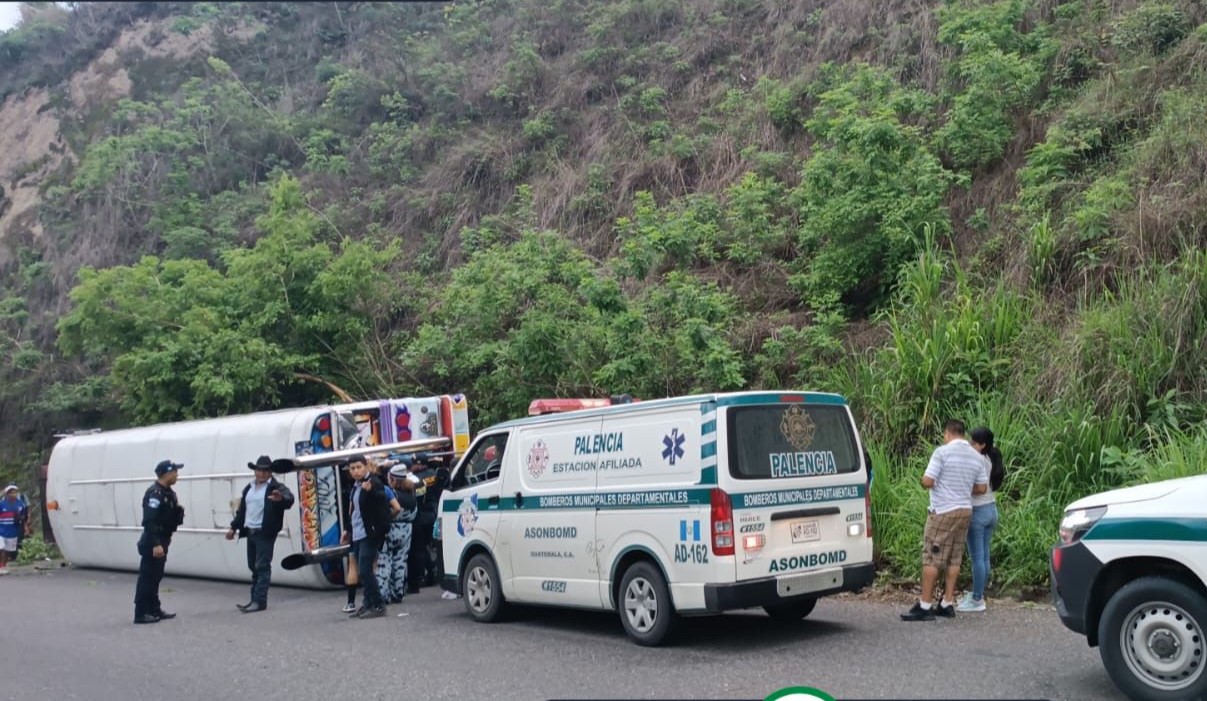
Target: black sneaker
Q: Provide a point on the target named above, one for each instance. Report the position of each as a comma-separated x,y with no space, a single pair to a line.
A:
373,613
945,611
917,613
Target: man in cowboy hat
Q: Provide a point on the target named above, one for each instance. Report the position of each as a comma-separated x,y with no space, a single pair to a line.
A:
259,519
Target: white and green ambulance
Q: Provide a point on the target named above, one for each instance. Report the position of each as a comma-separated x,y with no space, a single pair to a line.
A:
1129,575
660,509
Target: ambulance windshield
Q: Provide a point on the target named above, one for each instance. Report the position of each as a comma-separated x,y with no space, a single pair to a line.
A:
782,441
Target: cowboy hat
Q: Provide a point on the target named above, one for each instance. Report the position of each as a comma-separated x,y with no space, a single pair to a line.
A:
262,463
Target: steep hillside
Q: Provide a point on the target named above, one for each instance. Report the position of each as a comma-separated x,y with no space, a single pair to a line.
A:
993,211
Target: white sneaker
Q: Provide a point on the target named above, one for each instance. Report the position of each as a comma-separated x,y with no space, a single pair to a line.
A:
449,595
970,605
349,608
3,570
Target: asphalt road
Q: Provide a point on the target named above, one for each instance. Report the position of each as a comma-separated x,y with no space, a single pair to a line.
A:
68,634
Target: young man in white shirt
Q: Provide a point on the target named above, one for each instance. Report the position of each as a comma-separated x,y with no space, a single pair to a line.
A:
955,473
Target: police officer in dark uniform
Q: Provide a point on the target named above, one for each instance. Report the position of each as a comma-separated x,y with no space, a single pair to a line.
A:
162,514
433,477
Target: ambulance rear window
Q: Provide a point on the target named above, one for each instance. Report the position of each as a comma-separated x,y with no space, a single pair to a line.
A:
782,441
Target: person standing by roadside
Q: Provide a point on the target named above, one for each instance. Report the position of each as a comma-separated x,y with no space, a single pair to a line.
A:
27,521
162,514
370,520
12,522
433,477
984,518
392,562
955,473
259,518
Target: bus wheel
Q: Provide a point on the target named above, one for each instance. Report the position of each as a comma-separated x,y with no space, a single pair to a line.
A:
645,605
483,591
791,611
1151,640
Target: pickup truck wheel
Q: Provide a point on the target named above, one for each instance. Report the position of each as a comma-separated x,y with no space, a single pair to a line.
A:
1151,639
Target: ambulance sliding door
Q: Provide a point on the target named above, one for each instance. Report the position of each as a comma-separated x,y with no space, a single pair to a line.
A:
551,521
650,499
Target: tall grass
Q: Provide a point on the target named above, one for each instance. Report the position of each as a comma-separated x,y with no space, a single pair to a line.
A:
1130,385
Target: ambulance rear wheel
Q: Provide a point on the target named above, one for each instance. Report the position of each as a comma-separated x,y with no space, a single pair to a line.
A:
1151,638
791,611
646,611
483,592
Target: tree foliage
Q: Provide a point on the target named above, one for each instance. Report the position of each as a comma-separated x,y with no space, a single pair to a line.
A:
869,189
187,339
517,199
538,318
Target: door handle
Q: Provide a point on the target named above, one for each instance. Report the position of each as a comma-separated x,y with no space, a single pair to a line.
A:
493,501
519,500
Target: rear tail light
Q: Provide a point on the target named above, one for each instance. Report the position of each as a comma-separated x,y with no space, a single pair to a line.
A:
867,511
722,524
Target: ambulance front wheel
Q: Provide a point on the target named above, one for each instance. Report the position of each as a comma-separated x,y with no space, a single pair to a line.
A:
1152,640
645,605
483,593
792,611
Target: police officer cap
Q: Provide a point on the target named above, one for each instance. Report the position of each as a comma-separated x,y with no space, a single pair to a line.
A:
166,466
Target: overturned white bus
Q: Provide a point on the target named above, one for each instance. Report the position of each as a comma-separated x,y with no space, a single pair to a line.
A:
95,482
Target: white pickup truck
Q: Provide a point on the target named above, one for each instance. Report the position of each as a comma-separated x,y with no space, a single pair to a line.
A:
1129,575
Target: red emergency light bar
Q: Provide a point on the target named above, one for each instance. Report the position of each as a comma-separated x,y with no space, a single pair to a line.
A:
540,407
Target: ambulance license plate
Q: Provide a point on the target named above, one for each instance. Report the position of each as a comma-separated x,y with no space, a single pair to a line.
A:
805,531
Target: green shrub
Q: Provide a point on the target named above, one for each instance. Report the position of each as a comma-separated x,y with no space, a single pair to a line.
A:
355,96
1152,27
998,69
869,190
34,549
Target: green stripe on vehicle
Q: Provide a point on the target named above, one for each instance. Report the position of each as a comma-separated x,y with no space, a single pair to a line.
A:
1176,529
666,498
804,495
646,499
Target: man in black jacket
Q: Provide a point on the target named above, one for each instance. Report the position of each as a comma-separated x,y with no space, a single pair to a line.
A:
432,480
162,514
259,518
370,518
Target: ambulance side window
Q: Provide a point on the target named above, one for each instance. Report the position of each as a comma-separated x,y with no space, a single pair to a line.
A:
484,464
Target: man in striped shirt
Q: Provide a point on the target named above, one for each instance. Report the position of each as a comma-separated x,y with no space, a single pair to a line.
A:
956,472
